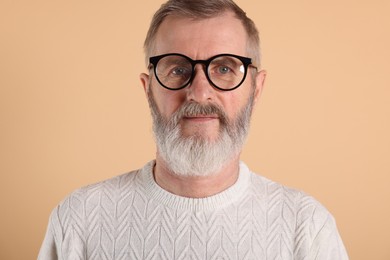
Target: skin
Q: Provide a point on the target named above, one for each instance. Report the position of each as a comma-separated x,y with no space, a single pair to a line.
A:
201,39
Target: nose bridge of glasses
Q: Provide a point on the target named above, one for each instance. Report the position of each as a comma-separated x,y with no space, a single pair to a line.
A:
199,65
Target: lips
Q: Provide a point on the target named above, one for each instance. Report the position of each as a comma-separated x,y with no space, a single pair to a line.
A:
199,113
201,117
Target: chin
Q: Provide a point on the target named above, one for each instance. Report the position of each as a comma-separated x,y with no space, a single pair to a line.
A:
200,134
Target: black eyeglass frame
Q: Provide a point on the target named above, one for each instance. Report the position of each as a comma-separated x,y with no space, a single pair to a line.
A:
245,61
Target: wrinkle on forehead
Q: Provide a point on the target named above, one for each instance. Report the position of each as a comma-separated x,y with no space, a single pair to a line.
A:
201,38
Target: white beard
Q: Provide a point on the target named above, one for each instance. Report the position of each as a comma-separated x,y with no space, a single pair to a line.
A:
196,155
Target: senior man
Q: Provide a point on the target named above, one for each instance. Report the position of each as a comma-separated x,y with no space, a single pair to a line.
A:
196,200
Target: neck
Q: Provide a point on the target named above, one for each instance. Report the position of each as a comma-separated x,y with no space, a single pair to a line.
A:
193,186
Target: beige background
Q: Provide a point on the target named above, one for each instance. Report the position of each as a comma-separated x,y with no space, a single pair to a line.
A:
73,112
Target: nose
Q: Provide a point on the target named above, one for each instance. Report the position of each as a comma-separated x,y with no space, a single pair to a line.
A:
200,89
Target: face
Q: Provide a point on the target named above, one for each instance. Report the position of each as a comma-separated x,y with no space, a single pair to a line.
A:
202,39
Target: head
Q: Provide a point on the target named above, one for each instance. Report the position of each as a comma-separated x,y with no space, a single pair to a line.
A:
200,128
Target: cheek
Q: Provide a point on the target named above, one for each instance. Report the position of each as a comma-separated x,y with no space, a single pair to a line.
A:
233,103
168,101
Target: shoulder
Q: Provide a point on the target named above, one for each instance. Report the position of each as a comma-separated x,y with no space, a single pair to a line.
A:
305,219
301,211
299,202
87,201
107,187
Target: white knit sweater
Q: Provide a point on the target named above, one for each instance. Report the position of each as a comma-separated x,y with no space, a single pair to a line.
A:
131,217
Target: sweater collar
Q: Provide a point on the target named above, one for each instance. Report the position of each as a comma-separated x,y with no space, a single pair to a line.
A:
220,200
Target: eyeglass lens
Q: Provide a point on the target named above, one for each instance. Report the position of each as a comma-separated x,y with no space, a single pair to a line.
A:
225,72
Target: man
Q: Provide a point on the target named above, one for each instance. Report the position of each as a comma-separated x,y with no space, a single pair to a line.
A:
196,200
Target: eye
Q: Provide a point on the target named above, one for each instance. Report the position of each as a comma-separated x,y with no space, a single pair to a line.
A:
224,66
223,69
180,71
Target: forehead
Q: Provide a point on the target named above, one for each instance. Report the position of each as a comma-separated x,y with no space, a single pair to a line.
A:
201,38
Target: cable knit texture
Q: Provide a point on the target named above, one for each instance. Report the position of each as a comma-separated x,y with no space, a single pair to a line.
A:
131,217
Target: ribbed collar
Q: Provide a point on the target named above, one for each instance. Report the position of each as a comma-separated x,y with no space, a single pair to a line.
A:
220,200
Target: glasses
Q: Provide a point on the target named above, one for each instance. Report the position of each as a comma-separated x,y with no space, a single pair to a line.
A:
175,71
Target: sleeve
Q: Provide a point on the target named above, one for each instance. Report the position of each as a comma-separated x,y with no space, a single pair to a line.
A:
327,244
50,244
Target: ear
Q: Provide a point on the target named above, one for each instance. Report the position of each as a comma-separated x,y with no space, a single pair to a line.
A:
145,81
259,81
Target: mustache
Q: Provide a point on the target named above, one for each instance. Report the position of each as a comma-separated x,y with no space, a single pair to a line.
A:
190,109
